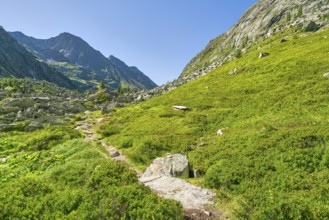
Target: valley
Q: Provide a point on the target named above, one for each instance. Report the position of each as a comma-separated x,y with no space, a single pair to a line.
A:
243,133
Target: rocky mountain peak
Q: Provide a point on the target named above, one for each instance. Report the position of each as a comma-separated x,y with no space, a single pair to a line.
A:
16,61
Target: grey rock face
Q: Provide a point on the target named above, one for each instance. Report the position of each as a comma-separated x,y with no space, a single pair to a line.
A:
171,165
262,20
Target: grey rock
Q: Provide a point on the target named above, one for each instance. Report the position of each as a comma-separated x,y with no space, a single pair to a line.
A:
190,196
5,110
8,127
34,125
181,108
262,54
170,165
201,144
233,72
207,213
326,75
115,154
220,132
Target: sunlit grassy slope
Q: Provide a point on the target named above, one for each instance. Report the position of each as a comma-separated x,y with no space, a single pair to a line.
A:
272,162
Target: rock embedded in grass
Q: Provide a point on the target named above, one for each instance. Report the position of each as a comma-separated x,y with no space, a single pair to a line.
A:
170,165
263,54
180,107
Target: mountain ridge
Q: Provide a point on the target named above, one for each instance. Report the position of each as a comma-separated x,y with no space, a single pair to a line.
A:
72,49
16,61
262,20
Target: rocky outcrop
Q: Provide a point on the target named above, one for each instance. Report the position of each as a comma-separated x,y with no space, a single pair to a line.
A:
262,20
190,196
160,177
170,165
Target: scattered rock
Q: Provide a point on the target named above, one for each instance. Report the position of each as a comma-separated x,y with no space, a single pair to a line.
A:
170,165
262,55
9,127
220,132
34,125
283,40
207,213
201,144
233,72
115,154
326,75
181,108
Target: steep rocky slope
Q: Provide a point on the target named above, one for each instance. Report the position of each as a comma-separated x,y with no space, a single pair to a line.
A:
68,49
262,20
16,61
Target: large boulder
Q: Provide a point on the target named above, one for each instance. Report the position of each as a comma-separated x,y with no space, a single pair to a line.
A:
170,165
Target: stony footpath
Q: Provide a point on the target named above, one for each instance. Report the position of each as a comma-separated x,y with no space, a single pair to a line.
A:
161,177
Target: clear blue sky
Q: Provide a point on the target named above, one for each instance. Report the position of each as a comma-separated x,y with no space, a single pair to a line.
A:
157,36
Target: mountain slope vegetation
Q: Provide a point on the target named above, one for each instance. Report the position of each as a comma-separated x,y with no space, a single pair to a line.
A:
55,174
272,160
263,20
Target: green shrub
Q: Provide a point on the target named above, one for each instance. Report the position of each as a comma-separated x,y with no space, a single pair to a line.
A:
107,130
73,181
238,53
49,137
126,142
299,12
288,17
149,149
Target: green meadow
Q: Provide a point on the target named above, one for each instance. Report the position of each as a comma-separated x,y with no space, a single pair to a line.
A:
272,161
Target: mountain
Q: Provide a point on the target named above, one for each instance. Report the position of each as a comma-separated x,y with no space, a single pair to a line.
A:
16,61
67,49
263,20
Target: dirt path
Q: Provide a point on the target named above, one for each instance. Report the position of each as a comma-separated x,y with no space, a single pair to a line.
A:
113,153
195,200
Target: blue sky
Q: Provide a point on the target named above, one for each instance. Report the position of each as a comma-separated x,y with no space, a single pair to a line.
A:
157,36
